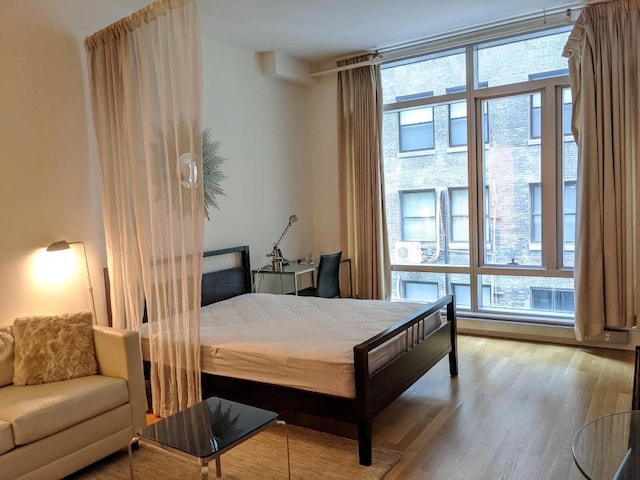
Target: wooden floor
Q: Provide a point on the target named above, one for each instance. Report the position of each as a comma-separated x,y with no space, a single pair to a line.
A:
510,414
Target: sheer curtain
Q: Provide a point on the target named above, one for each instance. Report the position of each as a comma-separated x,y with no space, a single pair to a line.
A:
146,86
362,178
603,67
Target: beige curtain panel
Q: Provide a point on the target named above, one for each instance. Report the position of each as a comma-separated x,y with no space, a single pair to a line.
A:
146,85
603,58
362,178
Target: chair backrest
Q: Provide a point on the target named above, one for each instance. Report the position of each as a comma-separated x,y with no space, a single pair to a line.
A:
329,275
635,394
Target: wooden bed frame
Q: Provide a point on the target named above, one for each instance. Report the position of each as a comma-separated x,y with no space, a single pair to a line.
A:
374,390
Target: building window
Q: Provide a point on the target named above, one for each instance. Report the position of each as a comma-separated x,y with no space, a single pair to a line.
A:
568,212
416,129
567,107
462,293
535,222
459,204
458,124
418,216
552,299
535,116
419,291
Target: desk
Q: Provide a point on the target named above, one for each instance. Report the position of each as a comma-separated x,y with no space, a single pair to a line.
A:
609,447
296,269
293,269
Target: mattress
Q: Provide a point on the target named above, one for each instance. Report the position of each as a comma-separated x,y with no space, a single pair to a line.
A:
299,342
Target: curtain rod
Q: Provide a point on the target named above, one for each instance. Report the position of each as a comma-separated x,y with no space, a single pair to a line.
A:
557,16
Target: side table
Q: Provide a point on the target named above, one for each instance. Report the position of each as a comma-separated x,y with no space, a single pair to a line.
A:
208,429
609,447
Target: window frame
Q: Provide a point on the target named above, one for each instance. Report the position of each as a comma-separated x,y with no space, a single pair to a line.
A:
478,121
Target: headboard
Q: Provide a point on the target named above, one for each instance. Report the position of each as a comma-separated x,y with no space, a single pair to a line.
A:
229,282
216,286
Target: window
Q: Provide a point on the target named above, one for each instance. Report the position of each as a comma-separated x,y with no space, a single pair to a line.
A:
420,291
567,106
458,124
459,203
535,200
485,122
462,294
494,218
535,116
568,212
418,216
551,299
416,129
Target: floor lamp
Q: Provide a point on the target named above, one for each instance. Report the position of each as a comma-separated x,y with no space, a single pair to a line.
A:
64,245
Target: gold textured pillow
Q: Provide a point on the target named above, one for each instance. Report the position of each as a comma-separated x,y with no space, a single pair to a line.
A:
53,348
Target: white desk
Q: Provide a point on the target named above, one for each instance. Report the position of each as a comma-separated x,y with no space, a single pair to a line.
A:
294,269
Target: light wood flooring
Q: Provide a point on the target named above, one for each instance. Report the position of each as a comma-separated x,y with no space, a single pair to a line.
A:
510,414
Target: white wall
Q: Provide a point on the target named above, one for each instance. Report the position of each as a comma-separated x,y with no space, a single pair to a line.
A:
262,124
323,150
50,188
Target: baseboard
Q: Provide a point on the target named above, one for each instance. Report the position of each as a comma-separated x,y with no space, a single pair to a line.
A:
621,340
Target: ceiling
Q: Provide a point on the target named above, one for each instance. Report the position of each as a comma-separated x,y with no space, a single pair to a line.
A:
317,30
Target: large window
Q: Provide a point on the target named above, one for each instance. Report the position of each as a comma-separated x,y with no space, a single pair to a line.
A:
494,221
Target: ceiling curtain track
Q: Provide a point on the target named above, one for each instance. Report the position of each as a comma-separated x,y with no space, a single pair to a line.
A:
145,74
603,51
362,179
556,17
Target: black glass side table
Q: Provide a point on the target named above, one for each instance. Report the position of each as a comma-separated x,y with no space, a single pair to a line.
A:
208,429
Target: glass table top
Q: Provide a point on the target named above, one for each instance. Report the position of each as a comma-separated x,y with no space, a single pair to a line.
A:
209,427
609,447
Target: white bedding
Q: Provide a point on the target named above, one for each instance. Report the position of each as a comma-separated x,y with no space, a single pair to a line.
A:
300,342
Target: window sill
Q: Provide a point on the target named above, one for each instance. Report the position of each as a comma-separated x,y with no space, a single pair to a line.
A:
460,149
416,153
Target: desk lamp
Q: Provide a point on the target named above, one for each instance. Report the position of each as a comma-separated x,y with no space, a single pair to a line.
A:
278,261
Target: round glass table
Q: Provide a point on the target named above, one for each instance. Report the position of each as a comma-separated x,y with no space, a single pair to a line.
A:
609,447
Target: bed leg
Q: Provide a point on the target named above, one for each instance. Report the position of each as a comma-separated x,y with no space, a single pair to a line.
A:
364,442
453,363
453,322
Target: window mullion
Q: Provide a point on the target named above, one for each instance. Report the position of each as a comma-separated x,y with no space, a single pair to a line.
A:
549,179
475,191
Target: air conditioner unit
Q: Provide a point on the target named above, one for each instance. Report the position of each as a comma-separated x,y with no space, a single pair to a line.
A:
407,252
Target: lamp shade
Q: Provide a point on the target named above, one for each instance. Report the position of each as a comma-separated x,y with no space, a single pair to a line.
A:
57,246
64,245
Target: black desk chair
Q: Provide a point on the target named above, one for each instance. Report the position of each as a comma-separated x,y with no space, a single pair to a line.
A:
328,284
635,397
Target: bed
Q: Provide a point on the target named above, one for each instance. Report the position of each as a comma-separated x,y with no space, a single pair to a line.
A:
376,350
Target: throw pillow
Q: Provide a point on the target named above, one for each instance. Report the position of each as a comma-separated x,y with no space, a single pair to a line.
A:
53,348
6,355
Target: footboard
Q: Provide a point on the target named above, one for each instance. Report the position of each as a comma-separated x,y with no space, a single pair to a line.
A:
423,349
